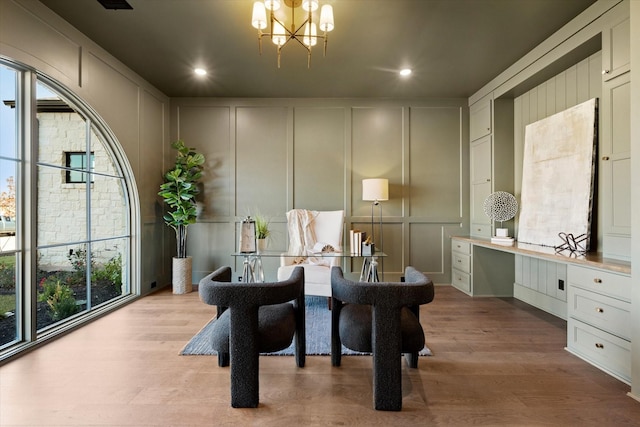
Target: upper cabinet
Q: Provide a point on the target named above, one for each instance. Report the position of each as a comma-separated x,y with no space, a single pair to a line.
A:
615,145
480,118
491,157
615,44
615,167
481,185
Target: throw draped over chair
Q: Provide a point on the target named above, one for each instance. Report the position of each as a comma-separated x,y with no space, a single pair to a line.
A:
310,232
254,318
383,319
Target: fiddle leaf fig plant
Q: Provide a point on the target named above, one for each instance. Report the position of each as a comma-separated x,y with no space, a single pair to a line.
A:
179,191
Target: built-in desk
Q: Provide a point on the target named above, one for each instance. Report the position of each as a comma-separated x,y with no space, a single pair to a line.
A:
592,293
594,260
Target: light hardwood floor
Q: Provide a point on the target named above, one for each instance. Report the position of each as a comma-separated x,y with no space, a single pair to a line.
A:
496,362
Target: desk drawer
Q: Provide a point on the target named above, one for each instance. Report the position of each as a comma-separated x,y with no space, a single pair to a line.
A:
603,282
461,262
461,280
461,247
606,351
481,230
608,314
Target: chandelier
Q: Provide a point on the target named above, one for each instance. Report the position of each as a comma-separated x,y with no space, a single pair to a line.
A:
305,33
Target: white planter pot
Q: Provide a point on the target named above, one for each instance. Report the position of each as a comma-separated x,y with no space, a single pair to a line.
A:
181,279
262,245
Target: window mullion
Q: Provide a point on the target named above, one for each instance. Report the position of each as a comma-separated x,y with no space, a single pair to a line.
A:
30,148
88,178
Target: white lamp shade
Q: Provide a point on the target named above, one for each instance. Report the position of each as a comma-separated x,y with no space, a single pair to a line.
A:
259,17
272,4
375,189
279,37
310,37
310,5
326,18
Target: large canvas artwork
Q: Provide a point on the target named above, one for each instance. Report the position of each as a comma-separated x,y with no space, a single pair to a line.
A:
558,176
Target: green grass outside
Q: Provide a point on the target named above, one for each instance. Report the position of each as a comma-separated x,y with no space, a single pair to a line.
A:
7,303
8,260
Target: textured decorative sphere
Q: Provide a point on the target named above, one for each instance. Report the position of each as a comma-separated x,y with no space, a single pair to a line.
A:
500,206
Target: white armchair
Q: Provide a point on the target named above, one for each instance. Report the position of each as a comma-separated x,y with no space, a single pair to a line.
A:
308,230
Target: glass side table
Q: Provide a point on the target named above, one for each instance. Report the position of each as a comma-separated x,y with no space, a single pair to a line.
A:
253,271
369,272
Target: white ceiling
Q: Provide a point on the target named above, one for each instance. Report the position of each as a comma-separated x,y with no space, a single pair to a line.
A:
453,46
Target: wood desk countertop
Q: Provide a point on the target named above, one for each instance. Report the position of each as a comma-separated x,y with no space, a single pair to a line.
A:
590,259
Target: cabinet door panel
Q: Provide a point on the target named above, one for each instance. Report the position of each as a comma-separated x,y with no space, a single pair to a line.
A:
480,119
481,161
621,191
615,49
619,113
479,193
616,162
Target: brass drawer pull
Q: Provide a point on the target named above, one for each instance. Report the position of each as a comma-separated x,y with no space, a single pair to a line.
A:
599,310
605,157
597,280
599,345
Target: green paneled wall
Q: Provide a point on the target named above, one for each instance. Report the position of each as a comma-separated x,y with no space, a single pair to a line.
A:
274,155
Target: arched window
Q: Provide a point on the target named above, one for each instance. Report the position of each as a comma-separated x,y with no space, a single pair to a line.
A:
65,249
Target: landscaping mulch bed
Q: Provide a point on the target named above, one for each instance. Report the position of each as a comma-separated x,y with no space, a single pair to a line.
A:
100,293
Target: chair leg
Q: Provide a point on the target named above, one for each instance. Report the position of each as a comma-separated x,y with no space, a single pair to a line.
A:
412,359
336,343
223,359
300,336
387,381
387,365
244,382
244,352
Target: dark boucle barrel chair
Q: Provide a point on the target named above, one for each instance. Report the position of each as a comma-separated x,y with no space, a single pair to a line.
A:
383,319
254,318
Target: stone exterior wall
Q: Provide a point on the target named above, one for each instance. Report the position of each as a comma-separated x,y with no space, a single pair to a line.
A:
62,207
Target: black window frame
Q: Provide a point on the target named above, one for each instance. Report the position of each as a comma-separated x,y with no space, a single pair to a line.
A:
71,171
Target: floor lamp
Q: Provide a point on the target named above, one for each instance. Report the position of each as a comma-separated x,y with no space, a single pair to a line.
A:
376,190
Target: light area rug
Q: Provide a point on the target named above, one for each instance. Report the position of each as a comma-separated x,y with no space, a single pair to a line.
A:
318,325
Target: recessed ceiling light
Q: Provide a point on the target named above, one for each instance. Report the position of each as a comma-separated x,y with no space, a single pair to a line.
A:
405,71
200,71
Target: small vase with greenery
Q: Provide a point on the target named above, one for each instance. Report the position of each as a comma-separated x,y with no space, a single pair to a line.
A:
179,192
262,231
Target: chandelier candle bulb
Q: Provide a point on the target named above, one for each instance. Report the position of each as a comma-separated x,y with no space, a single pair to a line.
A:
310,5
326,18
259,17
278,38
272,4
310,37
305,32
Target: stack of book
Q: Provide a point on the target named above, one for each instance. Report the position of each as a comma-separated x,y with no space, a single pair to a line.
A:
356,239
506,241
